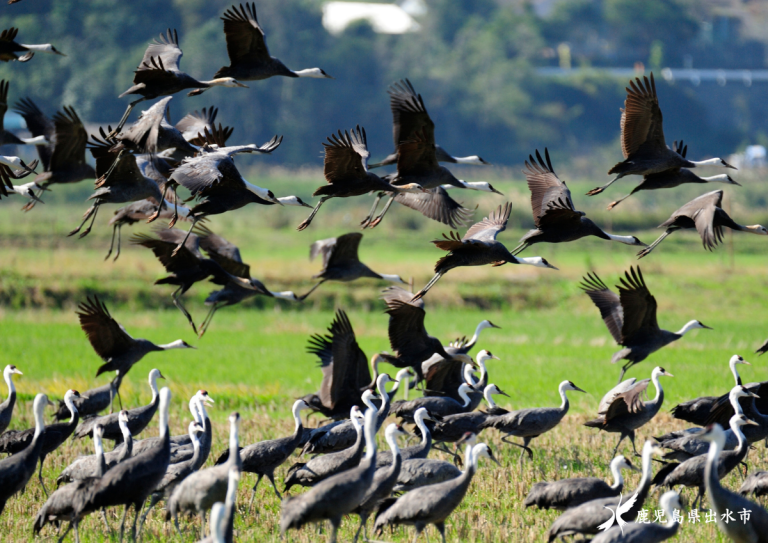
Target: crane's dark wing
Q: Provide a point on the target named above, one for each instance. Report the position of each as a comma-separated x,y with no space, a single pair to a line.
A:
638,304
322,247
416,156
71,139
437,205
197,122
3,101
175,236
114,168
204,171
722,410
39,125
245,38
642,128
350,365
144,133
344,251
407,334
607,302
628,402
409,116
346,155
550,198
322,346
444,378
213,243
163,250
108,338
490,226
703,210
395,293
164,51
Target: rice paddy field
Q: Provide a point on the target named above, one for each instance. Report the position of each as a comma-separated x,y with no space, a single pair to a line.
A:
253,358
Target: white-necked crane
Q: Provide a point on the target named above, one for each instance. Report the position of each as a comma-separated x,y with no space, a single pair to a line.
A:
706,215
532,422
566,493
137,418
409,116
6,408
249,58
697,411
722,501
215,182
345,369
434,503
345,168
158,75
674,178
113,344
152,133
16,470
10,48
9,138
587,518
341,261
554,215
479,247
129,483
54,435
642,137
627,411
437,406
631,317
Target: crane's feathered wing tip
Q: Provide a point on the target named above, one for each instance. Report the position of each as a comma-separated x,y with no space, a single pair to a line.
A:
592,282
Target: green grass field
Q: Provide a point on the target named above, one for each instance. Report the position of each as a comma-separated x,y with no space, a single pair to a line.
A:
253,358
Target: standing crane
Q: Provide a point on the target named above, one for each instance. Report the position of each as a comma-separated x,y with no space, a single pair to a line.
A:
631,317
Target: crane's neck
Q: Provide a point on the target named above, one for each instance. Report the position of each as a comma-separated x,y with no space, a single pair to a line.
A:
463,395
41,400
734,371
165,400
669,511
297,419
8,376
714,490
315,73
564,397
721,178
474,160
480,327
488,395
659,391
37,140
392,442
628,240
468,377
366,398
98,444
468,458
127,437
234,439
687,328
285,295
483,370
370,436
742,440
38,47
262,193
708,162
645,479
425,434
734,397
178,344
194,408
391,278
380,386
153,386
232,482
618,478
71,406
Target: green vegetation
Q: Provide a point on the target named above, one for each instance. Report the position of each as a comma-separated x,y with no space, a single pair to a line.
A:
253,358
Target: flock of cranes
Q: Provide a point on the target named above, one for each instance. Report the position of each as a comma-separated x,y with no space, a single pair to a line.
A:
144,164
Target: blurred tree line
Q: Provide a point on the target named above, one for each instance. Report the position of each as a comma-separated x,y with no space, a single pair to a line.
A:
473,61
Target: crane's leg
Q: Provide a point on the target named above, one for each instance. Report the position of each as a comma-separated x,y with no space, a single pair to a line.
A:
180,245
120,125
152,502
177,302
624,369
652,246
176,523
106,523
617,202
377,220
137,507
334,528
115,229
632,439
363,520
272,480
207,321
304,296
520,248
91,212
175,209
441,528
253,492
40,475
428,286
366,221
621,438
308,220
122,522
69,527
419,529
156,214
202,524
598,190
456,457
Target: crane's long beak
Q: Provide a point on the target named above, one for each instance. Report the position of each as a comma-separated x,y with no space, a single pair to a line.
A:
705,326
503,393
752,423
